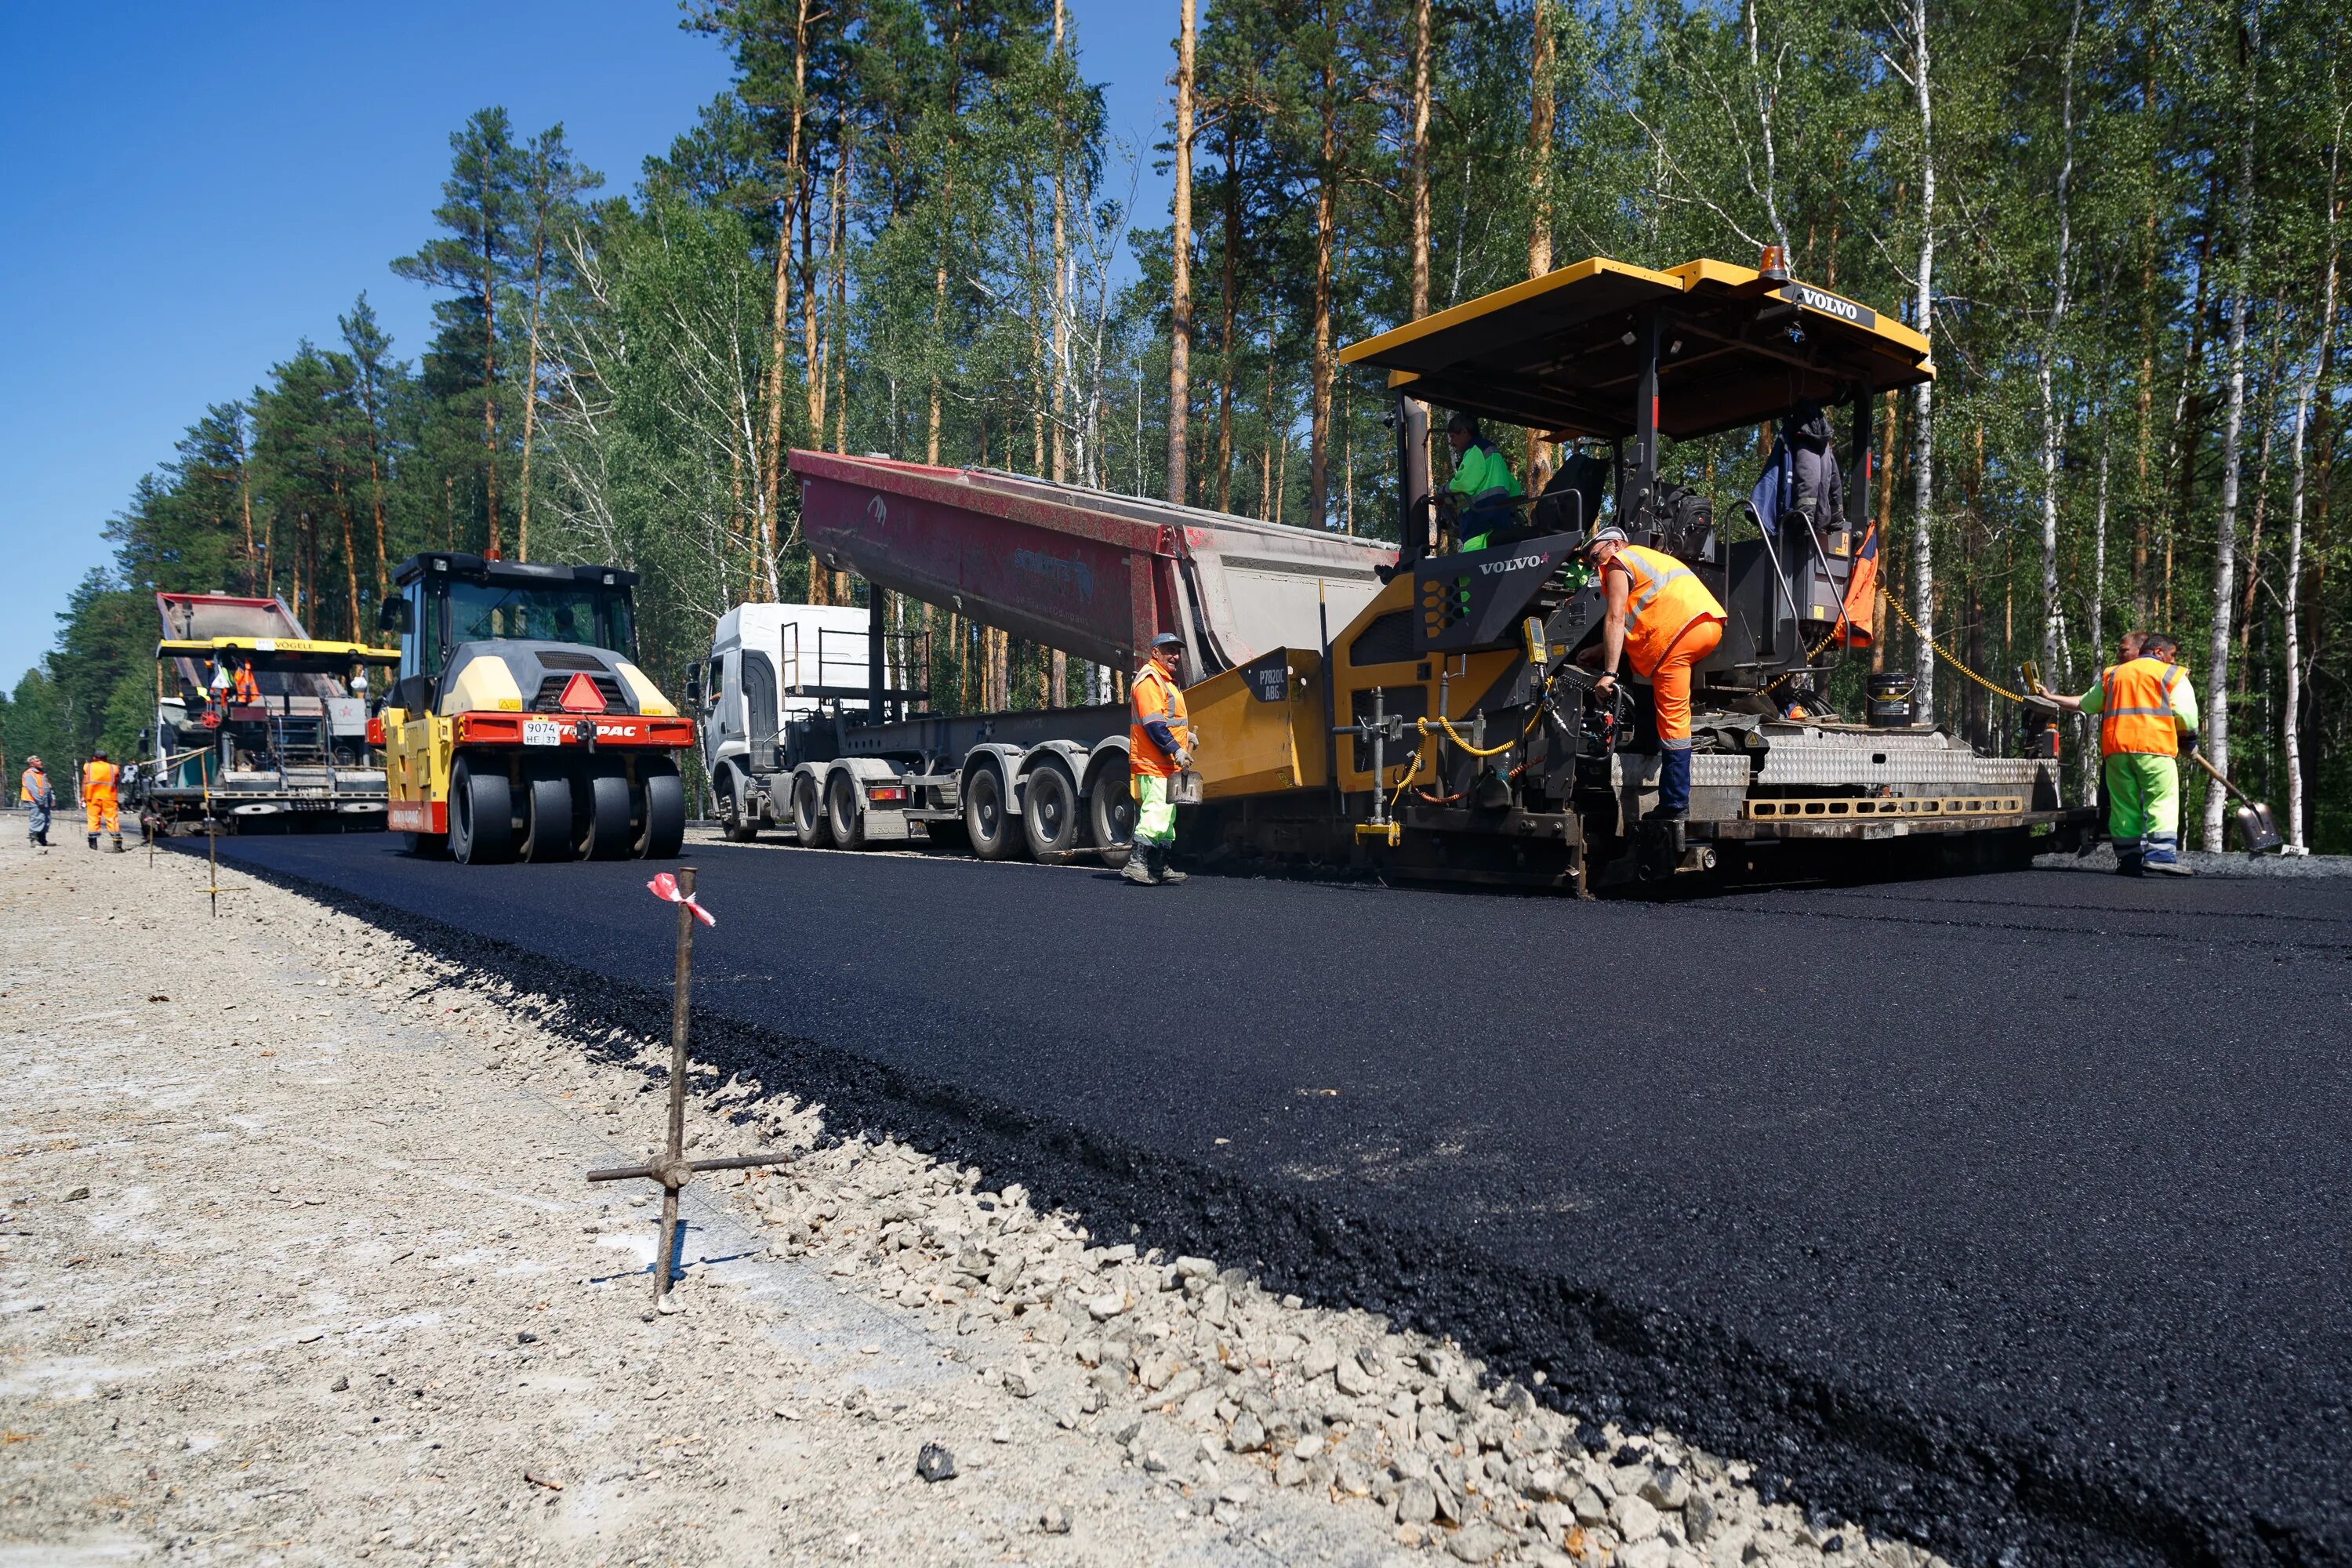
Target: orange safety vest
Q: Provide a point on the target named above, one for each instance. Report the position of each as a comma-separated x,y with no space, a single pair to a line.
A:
249,689
1667,597
98,780
30,787
2136,710
1152,695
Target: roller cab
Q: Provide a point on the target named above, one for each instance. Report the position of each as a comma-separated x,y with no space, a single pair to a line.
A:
520,726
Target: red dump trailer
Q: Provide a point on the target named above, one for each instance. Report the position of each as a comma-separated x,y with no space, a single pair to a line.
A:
1093,574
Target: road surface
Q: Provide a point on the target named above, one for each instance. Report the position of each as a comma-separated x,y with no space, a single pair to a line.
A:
2002,1212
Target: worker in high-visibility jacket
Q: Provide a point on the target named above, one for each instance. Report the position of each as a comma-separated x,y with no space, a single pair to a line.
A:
1663,621
1482,486
100,810
1159,747
2146,709
248,688
39,799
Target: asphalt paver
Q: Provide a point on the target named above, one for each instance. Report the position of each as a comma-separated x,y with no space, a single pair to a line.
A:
2005,1211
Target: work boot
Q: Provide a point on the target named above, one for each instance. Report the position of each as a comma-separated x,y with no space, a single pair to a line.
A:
2128,857
1139,866
93,841
118,844
1159,866
2162,856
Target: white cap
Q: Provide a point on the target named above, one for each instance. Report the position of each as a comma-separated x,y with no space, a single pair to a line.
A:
1611,535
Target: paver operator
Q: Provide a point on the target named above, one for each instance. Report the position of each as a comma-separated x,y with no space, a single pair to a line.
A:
1661,619
1483,485
1159,747
100,810
2147,717
40,799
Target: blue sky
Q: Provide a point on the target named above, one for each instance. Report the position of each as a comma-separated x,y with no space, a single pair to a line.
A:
193,188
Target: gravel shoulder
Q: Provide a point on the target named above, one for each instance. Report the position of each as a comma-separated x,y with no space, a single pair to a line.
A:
300,1268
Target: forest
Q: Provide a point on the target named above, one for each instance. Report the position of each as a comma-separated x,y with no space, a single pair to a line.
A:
907,229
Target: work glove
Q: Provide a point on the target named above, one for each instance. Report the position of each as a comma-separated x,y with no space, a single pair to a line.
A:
2187,742
1184,758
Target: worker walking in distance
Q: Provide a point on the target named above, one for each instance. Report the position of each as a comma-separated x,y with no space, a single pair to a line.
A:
40,799
1483,485
1159,747
1661,619
2146,709
100,810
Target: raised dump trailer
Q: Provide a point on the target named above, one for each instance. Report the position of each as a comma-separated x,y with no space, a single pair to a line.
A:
1444,723
1095,574
287,750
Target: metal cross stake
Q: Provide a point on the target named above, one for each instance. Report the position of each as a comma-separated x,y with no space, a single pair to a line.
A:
672,1170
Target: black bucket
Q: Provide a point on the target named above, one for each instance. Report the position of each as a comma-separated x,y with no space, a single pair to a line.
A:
1889,702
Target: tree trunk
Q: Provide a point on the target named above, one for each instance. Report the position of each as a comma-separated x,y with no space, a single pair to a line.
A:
1539,118
1180,307
1326,224
541,211
1923,435
2091,760
2053,425
489,365
1228,356
2217,678
1420,159
244,504
771,471
351,551
812,367
838,320
1061,301
2291,736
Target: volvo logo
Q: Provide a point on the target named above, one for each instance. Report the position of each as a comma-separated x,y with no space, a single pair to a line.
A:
1515,563
1813,298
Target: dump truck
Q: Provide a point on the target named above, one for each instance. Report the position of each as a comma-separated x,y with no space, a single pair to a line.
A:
840,762
519,725
292,752
1428,711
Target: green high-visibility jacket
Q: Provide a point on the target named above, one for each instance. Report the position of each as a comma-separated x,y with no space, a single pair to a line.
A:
1482,469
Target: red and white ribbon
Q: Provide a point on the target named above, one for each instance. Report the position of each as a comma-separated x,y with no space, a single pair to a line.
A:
665,888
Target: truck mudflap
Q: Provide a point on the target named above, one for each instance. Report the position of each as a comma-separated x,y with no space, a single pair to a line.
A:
417,817
564,730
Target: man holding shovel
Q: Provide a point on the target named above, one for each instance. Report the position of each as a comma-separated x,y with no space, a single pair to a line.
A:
2148,716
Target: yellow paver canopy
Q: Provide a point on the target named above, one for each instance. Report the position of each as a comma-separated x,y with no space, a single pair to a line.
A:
1563,353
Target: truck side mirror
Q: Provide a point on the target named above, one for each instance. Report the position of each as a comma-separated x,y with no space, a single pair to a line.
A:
396,616
694,688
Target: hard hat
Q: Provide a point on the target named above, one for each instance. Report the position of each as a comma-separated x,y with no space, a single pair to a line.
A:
1611,535
1167,639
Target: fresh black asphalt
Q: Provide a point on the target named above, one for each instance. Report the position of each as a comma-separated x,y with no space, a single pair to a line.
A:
2008,1213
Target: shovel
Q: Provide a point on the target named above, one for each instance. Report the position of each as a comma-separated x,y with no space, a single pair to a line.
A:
2256,831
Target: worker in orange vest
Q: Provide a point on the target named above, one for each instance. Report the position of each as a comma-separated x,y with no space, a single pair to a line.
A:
100,810
248,688
39,799
1159,747
2146,709
1663,620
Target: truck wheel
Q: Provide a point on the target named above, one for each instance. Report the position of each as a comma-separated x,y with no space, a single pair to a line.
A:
995,831
737,816
601,813
841,813
808,819
547,820
665,833
1110,818
1050,811
481,814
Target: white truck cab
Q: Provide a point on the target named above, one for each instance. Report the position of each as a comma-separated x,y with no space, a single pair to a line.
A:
768,664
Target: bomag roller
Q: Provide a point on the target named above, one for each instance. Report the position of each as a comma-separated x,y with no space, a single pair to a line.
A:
519,726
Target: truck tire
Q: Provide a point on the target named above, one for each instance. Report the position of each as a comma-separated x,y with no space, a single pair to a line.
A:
481,816
601,813
665,833
810,821
1110,818
988,818
546,819
841,818
1050,811
737,816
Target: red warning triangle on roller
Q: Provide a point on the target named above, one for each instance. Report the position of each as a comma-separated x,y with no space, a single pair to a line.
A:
580,696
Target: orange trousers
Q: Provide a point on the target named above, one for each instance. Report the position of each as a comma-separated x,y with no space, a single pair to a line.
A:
99,808
1670,683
